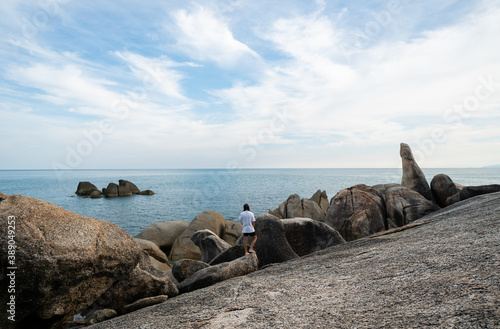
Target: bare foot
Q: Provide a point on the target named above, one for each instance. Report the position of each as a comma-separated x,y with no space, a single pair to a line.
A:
246,253
252,251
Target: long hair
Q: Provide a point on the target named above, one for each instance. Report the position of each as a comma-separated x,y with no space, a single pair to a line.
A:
246,207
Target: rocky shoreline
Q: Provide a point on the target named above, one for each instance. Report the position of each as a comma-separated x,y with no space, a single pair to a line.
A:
77,265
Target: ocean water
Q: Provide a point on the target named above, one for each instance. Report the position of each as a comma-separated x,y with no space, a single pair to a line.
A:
182,194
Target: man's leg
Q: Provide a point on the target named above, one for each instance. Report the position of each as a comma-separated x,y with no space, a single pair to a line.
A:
245,242
253,243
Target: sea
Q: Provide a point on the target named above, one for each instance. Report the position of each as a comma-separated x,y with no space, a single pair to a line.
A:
181,194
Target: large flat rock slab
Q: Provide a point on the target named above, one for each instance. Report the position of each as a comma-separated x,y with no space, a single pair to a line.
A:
441,272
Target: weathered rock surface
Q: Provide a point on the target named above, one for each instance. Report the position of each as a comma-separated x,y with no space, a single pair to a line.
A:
124,191
210,244
295,207
441,273
184,248
184,268
65,261
85,188
442,188
95,195
110,191
357,212
471,191
229,255
146,192
306,235
413,177
100,315
145,302
221,272
144,281
164,234
232,232
321,198
272,245
405,205
154,251
131,186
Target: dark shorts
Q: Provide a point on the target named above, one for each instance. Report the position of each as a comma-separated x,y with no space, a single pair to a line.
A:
249,234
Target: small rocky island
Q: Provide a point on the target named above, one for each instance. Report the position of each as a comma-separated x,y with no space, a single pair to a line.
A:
394,255
124,188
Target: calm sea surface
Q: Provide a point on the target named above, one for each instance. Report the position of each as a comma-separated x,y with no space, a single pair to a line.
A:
182,194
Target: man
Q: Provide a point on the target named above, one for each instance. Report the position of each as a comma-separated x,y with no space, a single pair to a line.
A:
247,218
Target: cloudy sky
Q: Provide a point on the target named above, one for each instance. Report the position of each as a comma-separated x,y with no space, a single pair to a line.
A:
248,83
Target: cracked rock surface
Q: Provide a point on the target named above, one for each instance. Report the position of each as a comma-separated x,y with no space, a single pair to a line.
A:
443,271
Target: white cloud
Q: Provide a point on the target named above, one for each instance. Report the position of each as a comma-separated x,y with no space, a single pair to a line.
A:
206,37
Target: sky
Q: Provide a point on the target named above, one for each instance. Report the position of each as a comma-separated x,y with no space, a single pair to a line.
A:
248,84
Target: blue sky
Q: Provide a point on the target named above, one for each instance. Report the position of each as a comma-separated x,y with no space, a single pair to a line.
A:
248,84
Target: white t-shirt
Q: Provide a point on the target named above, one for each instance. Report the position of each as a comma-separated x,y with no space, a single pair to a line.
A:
246,218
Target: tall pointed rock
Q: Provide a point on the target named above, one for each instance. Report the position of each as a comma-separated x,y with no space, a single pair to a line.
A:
413,177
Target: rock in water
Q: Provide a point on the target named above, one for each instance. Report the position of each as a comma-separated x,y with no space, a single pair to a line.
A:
85,188
357,212
131,186
185,248
306,235
65,261
110,191
413,177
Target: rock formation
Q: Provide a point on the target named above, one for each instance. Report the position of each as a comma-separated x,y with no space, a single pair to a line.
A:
144,281
65,261
221,272
306,236
272,245
232,232
85,189
294,206
159,259
110,191
210,244
183,247
442,188
164,234
413,177
357,212
184,268
131,186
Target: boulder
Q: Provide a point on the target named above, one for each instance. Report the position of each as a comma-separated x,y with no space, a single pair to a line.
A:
124,191
184,248
221,272
99,316
154,251
146,192
471,191
232,232
321,199
272,245
294,206
131,186
405,205
95,195
144,281
145,302
65,261
164,234
357,212
413,177
111,190
229,255
306,235
210,244
184,268
85,189
442,188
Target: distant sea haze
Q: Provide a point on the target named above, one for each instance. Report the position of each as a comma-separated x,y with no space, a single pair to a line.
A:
182,194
